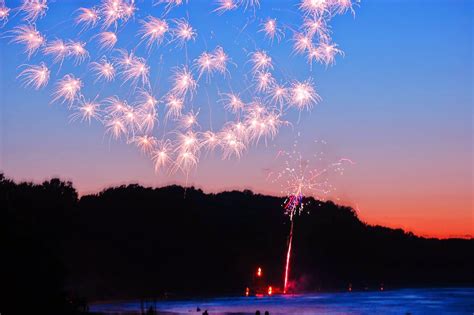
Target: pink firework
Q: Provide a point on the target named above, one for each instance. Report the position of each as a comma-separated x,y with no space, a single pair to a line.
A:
271,30
137,71
183,83
4,13
174,106
182,32
153,31
161,155
107,40
232,103
103,70
225,5
67,89
145,143
220,60
303,95
87,17
35,76
57,49
302,43
28,36
189,120
264,80
86,111
77,51
33,9
261,61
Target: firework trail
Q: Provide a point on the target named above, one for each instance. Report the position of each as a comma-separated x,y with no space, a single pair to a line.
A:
302,177
166,127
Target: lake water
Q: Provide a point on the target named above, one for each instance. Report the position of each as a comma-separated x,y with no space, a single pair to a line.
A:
402,301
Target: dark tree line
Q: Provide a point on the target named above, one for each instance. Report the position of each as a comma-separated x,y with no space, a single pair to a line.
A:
136,242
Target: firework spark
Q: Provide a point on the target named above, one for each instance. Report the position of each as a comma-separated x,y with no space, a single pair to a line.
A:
170,4
28,36
107,40
183,83
111,11
137,71
303,95
87,17
271,30
302,43
153,31
115,128
316,26
209,141
314,7
261,61
77,50
161,155
232,103
174,106
182,32
145,143
205,64
4,13
278,95
225,5
35,76
33,9
188,120
300,177
103,70
328,52
220,60
86,111
231,144
58,49
67,89
264,81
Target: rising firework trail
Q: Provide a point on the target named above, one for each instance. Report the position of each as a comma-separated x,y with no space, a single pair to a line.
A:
301,177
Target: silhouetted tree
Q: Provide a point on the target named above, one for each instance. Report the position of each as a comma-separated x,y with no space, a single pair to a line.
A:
136,242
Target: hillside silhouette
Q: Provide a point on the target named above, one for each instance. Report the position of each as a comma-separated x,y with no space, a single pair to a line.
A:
136,242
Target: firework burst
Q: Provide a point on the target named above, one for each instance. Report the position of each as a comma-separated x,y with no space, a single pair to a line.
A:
86,111
183,83
107,40
261,61
87,18
153,31
35,76
4,13
29,37
225,5
271,30
182,32
161,155
33,9
103,70
302,95
67,89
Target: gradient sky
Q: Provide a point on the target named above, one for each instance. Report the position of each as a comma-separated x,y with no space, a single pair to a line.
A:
399,104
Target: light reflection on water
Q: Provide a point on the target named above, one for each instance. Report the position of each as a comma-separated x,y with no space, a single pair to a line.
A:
403,301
